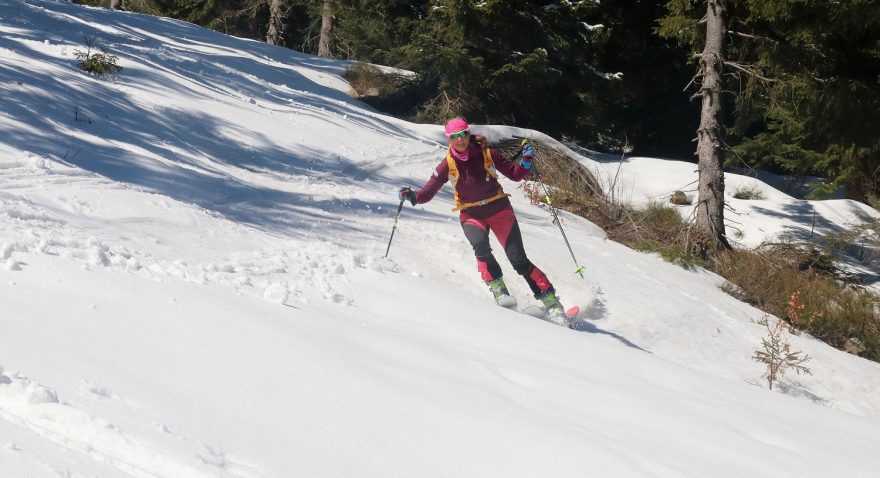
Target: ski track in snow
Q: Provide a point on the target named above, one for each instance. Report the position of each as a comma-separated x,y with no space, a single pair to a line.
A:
278,272
26,227
38,408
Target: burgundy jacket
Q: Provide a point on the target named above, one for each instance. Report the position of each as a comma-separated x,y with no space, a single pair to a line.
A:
473,184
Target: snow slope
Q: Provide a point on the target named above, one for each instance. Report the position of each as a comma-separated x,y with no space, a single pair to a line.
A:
193,284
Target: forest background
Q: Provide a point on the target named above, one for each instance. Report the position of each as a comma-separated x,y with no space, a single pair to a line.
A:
802,87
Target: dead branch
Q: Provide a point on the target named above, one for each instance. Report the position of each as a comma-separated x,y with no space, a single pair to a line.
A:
749,70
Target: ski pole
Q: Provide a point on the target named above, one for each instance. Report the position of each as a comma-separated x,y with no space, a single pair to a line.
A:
579,269
393,228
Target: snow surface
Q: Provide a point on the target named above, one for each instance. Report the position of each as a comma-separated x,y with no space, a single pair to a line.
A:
193,285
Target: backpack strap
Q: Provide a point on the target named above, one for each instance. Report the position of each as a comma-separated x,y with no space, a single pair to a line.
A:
491,172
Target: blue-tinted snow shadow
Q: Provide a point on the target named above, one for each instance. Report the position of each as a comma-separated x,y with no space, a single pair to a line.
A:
183,154
597,312
804,225
798,389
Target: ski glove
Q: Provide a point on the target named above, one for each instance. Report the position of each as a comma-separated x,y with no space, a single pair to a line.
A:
527,154
407,194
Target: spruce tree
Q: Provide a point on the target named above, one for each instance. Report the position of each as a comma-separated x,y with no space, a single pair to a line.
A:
805,79
376,31
711,33
816,112
512,62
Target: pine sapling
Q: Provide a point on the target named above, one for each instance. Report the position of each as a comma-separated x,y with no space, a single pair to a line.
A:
777,354
98,64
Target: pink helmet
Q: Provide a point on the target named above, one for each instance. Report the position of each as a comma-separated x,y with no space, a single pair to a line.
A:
456,125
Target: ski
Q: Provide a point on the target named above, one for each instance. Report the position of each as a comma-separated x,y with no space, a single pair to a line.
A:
572,315
539,312
507,301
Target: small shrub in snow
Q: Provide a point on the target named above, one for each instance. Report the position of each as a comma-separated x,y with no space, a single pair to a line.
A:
748,192
97,63
674,253
776,353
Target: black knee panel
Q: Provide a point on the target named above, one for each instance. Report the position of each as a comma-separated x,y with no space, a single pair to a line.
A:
522,268
479,240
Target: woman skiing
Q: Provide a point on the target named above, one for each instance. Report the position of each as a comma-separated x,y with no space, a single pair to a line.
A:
473,169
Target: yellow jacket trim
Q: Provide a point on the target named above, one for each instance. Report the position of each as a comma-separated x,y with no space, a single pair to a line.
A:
491,172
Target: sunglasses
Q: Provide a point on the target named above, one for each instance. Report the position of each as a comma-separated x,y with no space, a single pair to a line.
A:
460,134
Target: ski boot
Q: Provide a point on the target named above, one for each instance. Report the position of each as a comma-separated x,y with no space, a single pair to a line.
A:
499,290
553,310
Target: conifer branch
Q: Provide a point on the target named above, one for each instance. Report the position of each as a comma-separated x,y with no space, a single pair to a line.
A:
749,70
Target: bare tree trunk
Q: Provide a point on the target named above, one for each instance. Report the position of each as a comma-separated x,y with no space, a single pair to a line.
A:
277,15
325,43
709,226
